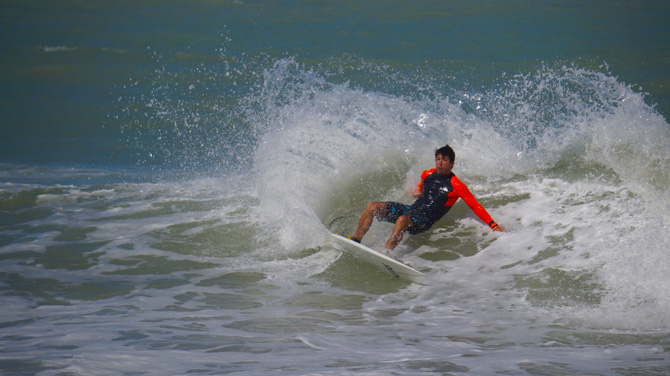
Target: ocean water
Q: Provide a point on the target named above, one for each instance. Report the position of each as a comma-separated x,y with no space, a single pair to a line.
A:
169,174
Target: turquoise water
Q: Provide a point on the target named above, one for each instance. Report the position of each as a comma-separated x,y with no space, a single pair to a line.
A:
69,68
169,174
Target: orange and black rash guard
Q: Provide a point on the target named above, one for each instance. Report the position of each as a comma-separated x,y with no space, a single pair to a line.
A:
438,193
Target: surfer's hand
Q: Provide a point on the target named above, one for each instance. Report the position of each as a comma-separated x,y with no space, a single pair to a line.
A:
499,228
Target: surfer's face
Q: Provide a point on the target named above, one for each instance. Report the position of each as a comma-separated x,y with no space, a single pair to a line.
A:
443,164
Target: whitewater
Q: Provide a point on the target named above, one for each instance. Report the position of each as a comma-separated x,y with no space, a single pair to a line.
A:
231,273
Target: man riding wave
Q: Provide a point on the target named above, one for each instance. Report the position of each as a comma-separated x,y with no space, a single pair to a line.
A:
437,193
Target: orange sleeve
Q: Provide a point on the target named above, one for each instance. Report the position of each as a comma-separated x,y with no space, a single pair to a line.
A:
463,192
424,175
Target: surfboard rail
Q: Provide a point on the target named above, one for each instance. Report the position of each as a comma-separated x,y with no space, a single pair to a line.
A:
385,263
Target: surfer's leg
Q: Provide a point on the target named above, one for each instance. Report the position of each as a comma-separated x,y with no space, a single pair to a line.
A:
403,223
374,209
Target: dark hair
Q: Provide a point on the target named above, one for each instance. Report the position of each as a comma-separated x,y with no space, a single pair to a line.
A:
446,150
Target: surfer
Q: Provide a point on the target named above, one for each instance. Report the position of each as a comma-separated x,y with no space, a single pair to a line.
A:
437,192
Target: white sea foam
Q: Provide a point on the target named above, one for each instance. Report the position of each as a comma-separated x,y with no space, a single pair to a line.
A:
236,265
577,217
58,48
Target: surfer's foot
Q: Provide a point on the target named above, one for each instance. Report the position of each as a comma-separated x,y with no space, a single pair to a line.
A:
354,239
387,252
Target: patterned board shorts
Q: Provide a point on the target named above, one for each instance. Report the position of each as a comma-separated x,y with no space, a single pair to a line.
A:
420,222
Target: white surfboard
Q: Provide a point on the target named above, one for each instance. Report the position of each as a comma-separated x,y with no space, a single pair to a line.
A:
393,267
